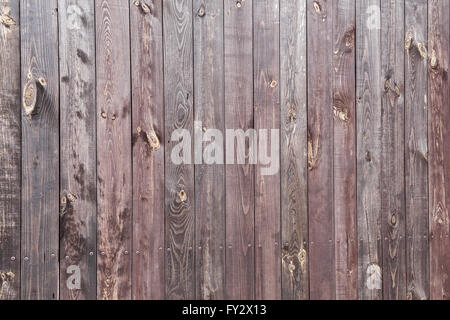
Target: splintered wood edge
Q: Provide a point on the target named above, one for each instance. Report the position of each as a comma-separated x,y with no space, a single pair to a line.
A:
29,97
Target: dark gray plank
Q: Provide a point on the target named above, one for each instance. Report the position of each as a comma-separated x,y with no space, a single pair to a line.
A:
393,149
416,149
240,263
320,150
78,216
179,179
114,199
345,149
148,150
40,145
368,123
10,151
266,61
209,179
439,148
294,192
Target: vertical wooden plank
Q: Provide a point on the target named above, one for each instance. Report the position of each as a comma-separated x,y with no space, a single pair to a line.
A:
416,144
113,150
439,148
267,117
148,150
10,151
78,215
240,264
40,145
368,123
344,87
393,149
179,179
320,149
209,179
294,192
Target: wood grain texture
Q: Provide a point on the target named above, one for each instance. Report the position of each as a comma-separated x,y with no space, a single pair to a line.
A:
240,179
416,149
294,142
179,179
439,148
40,151
345,149
148,157
266,61
114,197
209,179
368,123
393,149
10,153
78,183
320,149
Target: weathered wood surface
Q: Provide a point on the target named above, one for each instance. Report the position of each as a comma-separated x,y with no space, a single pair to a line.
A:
320,150
266,61
416,149
209,180
294,174
10,152
40,150
179,179
78,183
345,149
439,148
368,124
114,185
393,149
240,178
148,150
93,206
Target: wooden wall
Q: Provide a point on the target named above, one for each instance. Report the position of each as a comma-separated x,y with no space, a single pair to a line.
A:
92,207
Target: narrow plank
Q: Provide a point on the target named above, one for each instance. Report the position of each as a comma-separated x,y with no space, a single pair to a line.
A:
179,179
344,98
368,123
78,183
320,149
148,150
266,55
416,145
10,151
240,200
294,169
114,184
40,150
209,179
439,148
393,149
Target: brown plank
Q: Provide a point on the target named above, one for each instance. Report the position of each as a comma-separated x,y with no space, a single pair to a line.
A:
78,215
320,149
10,151
266,61
179,179
40,146
393,149
113,150
439,148
240,264
209,179
294,192
148,150
416,149
368,123
345,149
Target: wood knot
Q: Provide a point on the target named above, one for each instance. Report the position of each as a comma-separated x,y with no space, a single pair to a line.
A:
6,19
341,114
201,12
182,196
143,6
368,157
29,97
317,7
433,59
153,140
238,4
273,84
